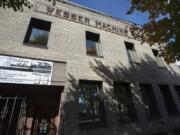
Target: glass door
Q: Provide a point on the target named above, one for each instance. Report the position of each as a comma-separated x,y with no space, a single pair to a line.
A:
44,122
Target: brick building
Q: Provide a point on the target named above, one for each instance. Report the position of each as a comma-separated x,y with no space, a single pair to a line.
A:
69,70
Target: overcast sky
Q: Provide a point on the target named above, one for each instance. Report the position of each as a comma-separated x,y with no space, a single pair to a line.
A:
116,8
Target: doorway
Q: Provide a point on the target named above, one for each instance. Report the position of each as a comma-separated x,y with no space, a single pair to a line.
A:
44,122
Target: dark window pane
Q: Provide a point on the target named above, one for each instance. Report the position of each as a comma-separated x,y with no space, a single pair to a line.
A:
91,106
129,46
155,52
149,101
168,100
125,104
92,36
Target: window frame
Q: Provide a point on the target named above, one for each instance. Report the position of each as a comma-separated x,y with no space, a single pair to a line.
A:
39,25
102,114
151,106
132,113
171,108
131,52
96,39
158,58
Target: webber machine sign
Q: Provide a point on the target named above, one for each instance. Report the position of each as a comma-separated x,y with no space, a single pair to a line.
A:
71,16
25,71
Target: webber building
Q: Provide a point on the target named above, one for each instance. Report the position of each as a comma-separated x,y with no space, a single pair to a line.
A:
69,70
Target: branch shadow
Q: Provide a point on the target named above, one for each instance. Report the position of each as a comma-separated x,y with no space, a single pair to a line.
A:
147,71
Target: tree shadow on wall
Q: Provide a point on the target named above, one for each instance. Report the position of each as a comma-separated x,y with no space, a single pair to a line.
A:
120,71
146,71
69,110
109,73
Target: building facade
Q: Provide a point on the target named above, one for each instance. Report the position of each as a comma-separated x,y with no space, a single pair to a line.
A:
69,70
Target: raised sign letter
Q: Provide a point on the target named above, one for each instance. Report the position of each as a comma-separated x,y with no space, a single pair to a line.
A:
98,24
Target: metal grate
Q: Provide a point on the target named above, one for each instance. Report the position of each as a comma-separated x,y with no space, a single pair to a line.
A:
12,115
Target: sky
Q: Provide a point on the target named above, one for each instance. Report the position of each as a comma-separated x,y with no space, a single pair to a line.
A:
115,8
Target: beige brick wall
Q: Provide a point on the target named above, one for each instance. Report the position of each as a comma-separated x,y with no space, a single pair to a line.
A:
67,44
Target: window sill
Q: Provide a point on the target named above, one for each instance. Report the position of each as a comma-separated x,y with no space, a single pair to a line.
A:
122,122
92,125
95,56
134,62
153,118
36,46
162,67
172,115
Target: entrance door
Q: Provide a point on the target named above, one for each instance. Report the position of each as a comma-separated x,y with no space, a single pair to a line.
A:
44,122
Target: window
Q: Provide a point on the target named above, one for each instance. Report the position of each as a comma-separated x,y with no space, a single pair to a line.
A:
149,101
92,110
159,60
131,52
178,62
93,46
177,88
125,104
38,32
168,99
